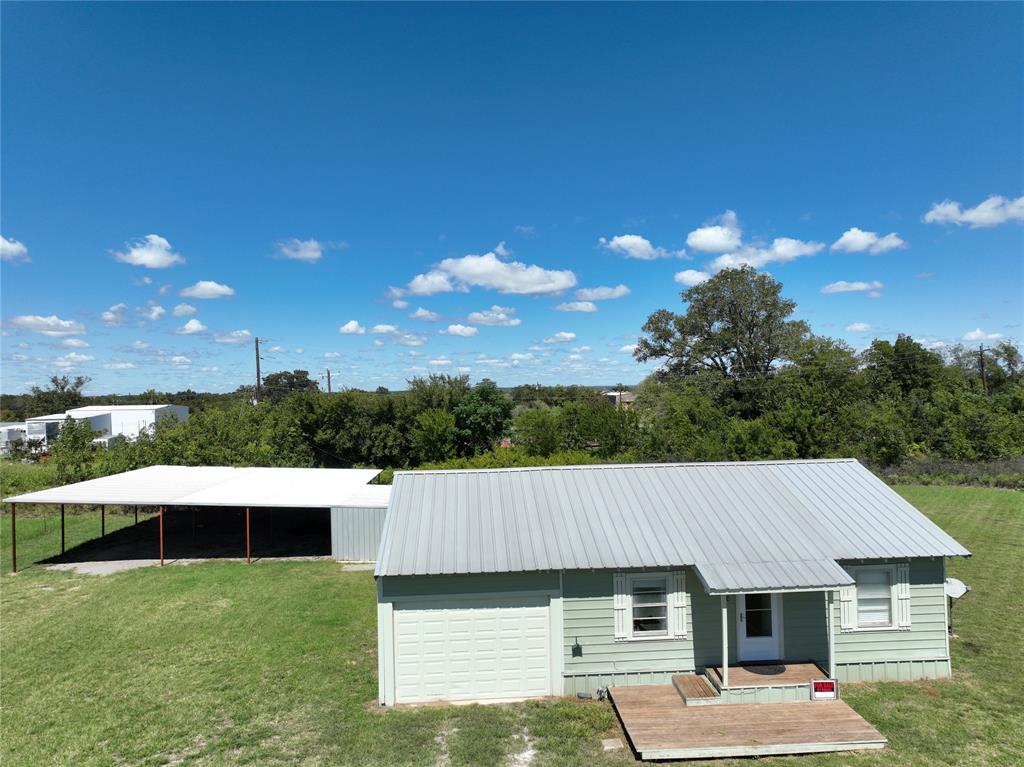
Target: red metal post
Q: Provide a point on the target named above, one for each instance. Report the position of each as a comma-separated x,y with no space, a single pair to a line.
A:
103,520
161,536
62,528
248,542
14,538
136,515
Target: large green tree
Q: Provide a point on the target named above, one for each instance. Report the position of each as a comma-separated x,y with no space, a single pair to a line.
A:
62,394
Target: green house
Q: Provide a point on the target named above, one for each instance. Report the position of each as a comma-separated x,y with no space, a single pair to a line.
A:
514,583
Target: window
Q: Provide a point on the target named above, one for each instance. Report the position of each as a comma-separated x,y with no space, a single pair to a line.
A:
650,606
758,611
874,597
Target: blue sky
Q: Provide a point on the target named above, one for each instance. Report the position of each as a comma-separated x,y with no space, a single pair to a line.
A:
179,178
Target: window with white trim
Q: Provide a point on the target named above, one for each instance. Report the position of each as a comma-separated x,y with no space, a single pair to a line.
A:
649,597
650,605
874,598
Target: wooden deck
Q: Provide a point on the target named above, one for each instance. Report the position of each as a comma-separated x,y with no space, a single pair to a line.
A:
659,725
695,689
762,675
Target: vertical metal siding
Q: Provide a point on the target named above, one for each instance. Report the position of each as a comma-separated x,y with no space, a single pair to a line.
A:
355,533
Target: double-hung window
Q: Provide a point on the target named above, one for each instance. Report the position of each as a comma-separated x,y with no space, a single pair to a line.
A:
650,606
874,597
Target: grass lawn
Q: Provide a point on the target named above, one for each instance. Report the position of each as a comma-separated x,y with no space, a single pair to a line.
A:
275,663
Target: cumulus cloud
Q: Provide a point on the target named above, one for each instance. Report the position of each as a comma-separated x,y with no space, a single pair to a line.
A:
496,315
410,339
425,314
577,306
207,289
12,251
561,337
331,355
309,251
502,251
856,240
184,310
384,329
843,286
602,293
858,327
152,313
180,360
71,359
461,330
635,246
720,235
627,349
74,343
191,328
52,325
141,281
119,365
139,346
781,251
992,211
234,337
980,335
490,272
114,316
152,252
440,362
691,277
400,303
352,328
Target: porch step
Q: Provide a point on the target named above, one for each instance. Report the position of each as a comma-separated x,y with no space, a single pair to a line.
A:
696,690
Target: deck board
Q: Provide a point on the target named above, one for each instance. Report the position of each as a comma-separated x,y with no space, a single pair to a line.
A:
659,725
751,675
692,686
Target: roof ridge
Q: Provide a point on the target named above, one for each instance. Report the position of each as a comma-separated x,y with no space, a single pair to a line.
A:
649,465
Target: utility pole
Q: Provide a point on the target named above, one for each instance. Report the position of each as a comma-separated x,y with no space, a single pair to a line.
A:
328,377
259,379
981,366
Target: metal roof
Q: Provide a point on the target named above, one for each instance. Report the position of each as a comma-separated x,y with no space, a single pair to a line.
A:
214,486
370,497
757,526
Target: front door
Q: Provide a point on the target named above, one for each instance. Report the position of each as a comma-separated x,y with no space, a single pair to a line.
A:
758,627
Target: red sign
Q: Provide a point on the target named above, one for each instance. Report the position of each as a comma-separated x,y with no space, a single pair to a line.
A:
826,689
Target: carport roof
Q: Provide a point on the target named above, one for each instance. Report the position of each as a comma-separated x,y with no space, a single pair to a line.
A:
214,486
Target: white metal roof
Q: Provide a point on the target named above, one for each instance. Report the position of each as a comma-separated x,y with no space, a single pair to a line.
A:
757,526
370,497
116,408
213,486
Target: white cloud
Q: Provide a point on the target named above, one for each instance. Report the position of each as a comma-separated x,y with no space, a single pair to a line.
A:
139,346
691,277
980,335
71,359
577,306
277,349
180,361
164,289
581,349
352,328
440,362
52,326
207,289
561,337
842,286
153,313
720,235
20,357
234,337
425,314
140,281
294,249
490,272
461,330
858,327
74,343
496,315
856,240
502,251
191,327
152,252
781,251
409,339
399,303
13,251
331,355
384,329
299,350
991,212
627,349
635,246
520,357
184,310
602,293
119,365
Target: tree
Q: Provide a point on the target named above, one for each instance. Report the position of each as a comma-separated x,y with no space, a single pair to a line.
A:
437,391
63,393
736,323
539,432
72,451
433,437
277,386
481,418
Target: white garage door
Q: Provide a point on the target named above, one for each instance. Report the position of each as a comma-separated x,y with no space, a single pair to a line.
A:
487,649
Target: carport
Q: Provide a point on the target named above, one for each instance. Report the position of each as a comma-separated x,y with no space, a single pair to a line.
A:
167,487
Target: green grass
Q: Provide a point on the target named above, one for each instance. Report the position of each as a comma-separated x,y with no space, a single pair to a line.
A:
275,663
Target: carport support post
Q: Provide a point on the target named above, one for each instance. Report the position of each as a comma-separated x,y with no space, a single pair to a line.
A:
161,536
62,528
136,515
103,520
14,538
248,547
831,635
725,641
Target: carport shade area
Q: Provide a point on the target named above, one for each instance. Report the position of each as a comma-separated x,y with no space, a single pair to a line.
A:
217,509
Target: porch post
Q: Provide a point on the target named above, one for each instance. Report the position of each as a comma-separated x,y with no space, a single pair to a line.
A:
831,634
725,641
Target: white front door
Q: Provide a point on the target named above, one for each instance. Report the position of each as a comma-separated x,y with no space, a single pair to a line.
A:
758,627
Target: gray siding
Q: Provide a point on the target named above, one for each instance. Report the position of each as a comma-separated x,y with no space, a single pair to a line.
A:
804,630
921,651
355,533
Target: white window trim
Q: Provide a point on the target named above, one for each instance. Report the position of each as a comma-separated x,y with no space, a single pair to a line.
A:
891,569
675,607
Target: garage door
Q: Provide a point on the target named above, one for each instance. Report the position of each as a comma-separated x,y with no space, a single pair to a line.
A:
490,649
